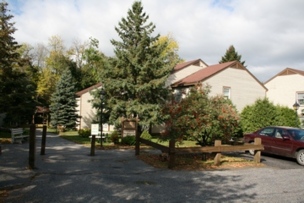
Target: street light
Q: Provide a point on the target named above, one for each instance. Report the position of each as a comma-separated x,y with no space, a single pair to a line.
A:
296,107
102,94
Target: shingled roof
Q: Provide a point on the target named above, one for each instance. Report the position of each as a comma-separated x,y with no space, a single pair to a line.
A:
181,66
204,74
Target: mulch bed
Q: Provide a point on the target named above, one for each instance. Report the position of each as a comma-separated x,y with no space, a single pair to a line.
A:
194,162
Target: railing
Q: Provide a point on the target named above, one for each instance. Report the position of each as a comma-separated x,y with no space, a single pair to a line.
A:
218,148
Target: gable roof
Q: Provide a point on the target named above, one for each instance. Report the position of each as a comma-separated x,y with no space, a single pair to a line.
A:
88,89
287,71
210,71
203,74
183,65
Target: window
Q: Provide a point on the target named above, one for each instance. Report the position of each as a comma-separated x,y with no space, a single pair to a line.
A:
226,92
178,94
267,132
300,98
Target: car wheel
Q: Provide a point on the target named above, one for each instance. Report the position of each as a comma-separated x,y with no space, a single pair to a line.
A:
300,157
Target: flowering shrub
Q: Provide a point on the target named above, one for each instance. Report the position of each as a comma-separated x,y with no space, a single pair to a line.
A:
200,117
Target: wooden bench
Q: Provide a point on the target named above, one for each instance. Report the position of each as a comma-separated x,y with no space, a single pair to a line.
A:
18,136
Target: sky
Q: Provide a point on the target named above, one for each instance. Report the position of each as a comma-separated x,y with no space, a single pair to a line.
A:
269,34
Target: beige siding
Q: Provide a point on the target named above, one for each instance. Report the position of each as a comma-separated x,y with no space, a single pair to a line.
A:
245,90
282,89
183,73
78,111
88,114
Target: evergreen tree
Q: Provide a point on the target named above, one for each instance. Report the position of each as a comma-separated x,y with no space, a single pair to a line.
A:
17,92
9,56
261,114
135,81
232,55
63,106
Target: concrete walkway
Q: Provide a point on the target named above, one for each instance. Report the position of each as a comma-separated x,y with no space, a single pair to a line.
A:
68,174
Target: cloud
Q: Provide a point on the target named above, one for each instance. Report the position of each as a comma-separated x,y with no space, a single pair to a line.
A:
268,34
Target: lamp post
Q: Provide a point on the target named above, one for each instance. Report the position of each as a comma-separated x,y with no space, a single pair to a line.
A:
296,107
102,94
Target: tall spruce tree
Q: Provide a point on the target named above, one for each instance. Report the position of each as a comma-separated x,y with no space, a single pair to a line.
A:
135,80
232,55
17,92
63,106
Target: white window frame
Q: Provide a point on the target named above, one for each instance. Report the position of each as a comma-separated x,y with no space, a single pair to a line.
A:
300,98
227,92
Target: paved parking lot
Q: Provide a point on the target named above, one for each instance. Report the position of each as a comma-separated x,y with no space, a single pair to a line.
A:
68,174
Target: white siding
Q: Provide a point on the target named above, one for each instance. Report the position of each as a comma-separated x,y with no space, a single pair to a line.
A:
245,90
282,89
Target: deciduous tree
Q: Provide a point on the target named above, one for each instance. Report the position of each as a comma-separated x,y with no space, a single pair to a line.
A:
171,50
200,117
94,64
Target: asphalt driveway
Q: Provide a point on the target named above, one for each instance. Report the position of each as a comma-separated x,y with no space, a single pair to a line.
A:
68,174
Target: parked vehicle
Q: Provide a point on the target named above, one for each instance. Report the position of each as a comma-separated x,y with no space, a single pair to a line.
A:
280,140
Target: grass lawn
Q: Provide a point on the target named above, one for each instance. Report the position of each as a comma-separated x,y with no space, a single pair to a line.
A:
4,134
74,137
5,137
184,143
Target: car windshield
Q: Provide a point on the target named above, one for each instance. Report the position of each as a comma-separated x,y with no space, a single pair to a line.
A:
297,134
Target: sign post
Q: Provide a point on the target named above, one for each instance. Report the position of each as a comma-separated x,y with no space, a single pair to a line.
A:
94,132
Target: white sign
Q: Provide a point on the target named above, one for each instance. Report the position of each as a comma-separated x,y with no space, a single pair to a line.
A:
128,133
105,127
94,129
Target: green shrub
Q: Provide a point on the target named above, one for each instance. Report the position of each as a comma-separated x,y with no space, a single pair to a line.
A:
264,113
86,132
128,140
115,137
146,135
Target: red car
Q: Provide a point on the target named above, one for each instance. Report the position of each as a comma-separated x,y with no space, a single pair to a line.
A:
280,140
